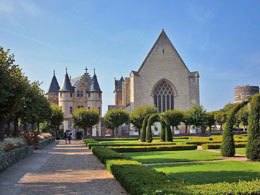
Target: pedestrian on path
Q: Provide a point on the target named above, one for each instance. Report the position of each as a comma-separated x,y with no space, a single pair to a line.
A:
65,137
69,136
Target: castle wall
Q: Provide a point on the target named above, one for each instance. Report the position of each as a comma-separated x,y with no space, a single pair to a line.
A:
242,93
53,98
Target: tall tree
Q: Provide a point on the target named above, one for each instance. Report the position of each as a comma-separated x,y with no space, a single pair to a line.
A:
243,116
56,118
138,115
85,118
186,120
220,117
114,118
198,116
174,117
210,120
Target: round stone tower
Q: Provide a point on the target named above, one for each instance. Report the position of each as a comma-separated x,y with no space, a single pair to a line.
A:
66,94
244,92
94,100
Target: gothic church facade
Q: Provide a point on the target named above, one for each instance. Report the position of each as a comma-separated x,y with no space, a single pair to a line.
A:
162,80
79,92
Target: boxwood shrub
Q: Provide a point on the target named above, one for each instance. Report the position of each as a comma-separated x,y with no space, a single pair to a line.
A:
122,149
129,144
217,146
138,179
241,187
115,139
104,154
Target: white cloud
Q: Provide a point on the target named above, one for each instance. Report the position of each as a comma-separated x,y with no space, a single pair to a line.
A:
10,7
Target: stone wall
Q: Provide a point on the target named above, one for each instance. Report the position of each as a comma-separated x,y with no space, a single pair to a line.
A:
43,143
9,158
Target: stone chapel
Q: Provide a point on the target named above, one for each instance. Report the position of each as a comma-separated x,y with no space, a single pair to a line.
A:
163,80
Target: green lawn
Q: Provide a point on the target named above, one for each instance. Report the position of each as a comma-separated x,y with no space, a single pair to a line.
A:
241,150
212,172
173,156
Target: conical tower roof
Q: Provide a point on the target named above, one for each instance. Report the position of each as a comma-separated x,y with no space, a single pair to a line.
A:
66,85
93,85
54,86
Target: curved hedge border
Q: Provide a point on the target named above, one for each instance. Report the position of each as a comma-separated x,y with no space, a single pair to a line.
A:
90,145
123,149
217,146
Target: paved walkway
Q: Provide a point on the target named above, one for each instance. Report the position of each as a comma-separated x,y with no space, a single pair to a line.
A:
59,169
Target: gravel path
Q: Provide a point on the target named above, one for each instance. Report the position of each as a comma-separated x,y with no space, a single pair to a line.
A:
59,169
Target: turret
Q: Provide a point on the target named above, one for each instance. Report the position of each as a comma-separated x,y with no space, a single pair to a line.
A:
94,99
94,94
53,91
66,94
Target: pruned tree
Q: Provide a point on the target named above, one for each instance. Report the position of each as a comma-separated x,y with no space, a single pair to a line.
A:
56,118
197,116
210,120
114,118
138,115
85,118
174,117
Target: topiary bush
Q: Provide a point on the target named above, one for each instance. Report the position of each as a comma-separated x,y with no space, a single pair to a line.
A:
143,131
253,144
228,144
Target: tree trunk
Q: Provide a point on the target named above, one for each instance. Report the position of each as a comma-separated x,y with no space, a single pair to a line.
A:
210,131
38,126
8,129
113,132
2,133
25,127
15,127
186,129
139,133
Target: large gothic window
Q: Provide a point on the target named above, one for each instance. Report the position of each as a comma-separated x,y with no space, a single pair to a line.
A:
163,97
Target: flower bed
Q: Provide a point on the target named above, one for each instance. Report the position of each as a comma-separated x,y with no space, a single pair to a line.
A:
11,143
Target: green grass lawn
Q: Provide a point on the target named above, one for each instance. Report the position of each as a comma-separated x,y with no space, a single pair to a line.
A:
173,156
212,172
239,150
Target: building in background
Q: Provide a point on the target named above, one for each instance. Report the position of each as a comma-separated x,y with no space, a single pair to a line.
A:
79,92
163,80
242,93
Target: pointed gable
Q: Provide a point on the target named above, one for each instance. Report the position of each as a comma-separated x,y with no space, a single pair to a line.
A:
163,39
54,86
94,86
66,85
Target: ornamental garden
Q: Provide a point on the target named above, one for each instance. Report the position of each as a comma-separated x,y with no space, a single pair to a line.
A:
227,163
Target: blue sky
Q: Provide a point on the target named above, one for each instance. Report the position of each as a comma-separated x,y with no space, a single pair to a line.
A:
220,39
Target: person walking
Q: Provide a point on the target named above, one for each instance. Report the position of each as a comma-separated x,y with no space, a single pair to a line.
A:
65,137
69,136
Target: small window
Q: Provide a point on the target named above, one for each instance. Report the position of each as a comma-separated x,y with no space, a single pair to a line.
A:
99,95
88,94
60,94
99,109
70,94
71,110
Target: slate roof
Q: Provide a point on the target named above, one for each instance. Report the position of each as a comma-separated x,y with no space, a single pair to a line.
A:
93,85
118,84
66,85
75,81
54,86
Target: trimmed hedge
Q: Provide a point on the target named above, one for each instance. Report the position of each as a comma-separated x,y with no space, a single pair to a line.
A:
140,144
201,142
115,139
138,179
104,154
86,141
122,149
201,138
217,146
241,187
